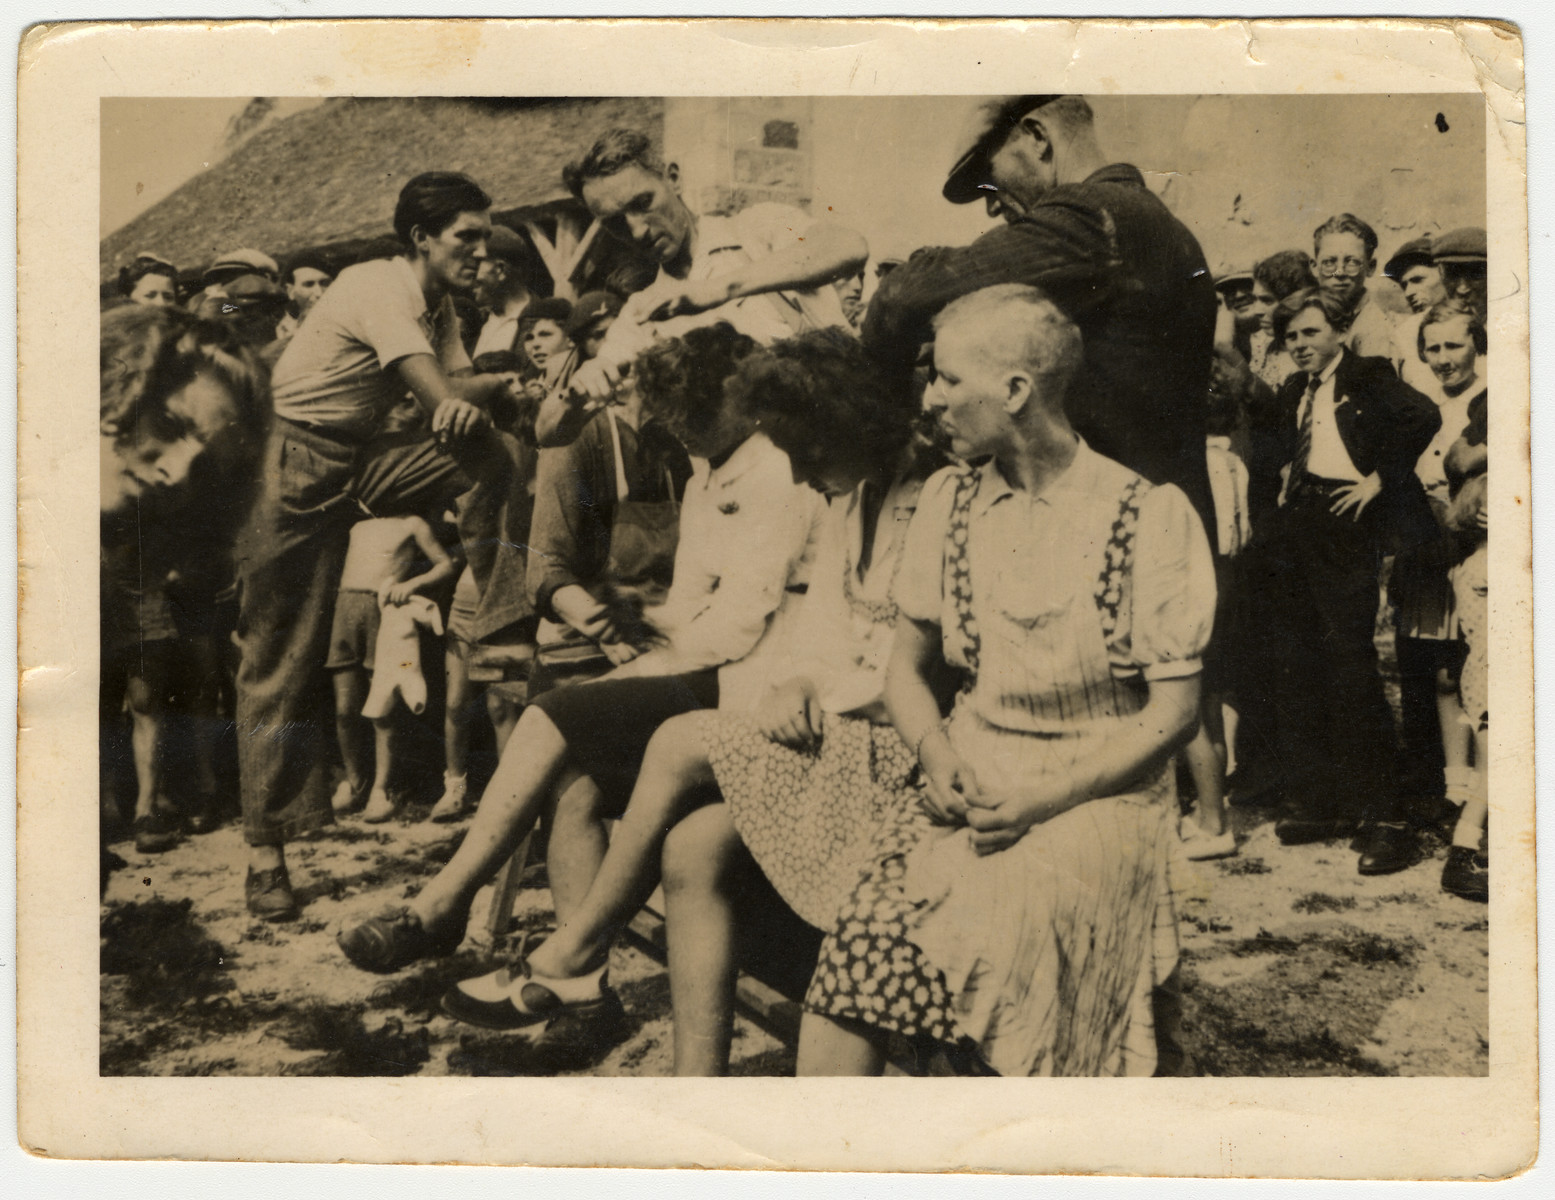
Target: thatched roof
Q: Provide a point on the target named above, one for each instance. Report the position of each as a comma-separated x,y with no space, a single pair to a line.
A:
331,174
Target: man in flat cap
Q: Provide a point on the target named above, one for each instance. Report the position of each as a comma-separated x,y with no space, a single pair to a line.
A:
1107,251
1413,267
504,287
1461,256
306,278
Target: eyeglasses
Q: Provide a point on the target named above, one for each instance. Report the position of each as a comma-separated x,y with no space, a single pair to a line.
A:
1337,266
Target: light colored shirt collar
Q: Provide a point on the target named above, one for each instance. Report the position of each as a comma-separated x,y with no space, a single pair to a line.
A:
748,454
1078,475
1327,373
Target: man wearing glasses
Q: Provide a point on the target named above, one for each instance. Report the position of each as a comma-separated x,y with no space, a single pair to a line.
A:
1344,258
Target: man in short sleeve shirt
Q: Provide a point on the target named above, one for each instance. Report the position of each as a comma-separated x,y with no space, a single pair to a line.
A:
383,329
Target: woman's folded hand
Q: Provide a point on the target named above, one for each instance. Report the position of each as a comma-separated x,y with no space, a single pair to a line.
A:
1000,820
791,715
952,782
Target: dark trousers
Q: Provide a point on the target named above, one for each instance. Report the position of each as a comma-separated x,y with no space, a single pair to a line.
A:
1420,662
1337,748
290,557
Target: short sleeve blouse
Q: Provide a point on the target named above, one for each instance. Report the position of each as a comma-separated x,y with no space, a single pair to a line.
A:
1035,564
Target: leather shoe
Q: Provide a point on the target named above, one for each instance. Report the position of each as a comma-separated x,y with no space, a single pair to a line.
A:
1386,849
395,939
1301,831
269,894
1464,875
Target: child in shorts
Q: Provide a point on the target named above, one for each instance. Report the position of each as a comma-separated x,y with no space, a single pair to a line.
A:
383,554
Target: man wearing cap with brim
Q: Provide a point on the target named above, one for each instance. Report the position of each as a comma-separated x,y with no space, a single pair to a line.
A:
504,288
306,278
1413,268
1461,256
591,319
240,262
1107,251
1239,316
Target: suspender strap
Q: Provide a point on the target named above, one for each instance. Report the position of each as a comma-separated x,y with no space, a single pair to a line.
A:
1118,560
958,574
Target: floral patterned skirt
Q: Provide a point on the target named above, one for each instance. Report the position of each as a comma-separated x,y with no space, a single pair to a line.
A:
809,818
869,970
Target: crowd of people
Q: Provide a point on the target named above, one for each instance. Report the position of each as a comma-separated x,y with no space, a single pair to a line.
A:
924,617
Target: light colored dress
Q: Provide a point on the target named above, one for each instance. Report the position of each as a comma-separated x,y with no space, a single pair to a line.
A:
1062,608
808,817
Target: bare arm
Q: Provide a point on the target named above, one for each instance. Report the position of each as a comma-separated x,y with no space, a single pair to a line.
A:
910,699
1133,747
566,410
826,253
441,570
456,404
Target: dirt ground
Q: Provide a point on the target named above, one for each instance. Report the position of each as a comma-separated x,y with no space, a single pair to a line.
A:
1292,965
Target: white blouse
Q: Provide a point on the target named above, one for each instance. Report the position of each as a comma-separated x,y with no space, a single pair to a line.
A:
846,625
746,534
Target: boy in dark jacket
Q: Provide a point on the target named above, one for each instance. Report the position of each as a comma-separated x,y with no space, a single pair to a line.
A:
1348,434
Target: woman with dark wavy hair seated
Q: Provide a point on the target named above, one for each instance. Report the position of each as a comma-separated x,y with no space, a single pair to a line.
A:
810,773
741,565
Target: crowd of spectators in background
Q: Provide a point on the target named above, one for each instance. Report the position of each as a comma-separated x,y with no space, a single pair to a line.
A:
946,618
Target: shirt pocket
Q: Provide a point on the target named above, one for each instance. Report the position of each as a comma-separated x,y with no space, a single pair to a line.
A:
1031,603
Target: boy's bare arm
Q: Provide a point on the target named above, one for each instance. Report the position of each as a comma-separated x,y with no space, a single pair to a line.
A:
441,570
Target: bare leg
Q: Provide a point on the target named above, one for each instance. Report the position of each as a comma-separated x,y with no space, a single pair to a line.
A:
831,1047
351,727
1471,822
1229,718
577,843
1457,738
145,741
703,855
1207,764
504,717
456,714
525,776
383,749
666,791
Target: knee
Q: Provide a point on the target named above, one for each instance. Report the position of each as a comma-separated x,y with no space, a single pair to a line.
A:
677,752
582,803
141,697
701,854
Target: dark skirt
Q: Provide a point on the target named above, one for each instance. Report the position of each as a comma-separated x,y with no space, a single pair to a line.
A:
608,723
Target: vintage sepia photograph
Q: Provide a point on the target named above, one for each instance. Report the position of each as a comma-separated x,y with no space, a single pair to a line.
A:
965,583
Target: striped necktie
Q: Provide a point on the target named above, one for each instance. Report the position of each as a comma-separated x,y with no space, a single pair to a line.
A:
1298,464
